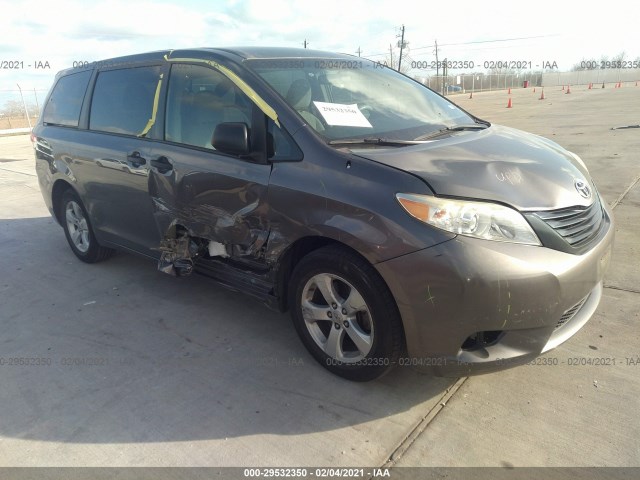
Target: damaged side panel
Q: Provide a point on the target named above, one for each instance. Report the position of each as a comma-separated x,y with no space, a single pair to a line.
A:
208,204
178,251
343,198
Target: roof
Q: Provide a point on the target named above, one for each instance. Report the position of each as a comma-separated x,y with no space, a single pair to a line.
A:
279,52
232,53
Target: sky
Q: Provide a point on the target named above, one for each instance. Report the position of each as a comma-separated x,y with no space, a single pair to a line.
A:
53,34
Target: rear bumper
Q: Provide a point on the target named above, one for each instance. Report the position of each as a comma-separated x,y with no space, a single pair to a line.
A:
472,306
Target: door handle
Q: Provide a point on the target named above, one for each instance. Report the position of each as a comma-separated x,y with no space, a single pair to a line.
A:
162,164
135,160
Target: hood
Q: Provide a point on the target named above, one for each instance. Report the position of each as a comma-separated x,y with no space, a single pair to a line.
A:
499,164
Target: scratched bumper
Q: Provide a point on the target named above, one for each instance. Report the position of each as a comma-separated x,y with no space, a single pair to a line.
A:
529,300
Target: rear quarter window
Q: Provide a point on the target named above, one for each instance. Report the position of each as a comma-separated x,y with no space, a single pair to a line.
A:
123,100
65,102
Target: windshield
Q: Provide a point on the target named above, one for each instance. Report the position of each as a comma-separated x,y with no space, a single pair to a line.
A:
357,98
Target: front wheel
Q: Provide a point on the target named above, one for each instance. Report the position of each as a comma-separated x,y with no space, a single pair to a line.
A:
345,314
78,231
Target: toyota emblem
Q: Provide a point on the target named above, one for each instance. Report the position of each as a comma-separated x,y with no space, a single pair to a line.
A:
582,188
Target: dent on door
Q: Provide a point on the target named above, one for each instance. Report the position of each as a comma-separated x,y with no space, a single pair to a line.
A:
212,207
204,213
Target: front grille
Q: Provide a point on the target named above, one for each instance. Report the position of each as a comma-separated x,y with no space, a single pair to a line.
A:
569,314
577,225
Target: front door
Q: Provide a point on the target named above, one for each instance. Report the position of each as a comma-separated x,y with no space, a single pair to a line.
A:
210,195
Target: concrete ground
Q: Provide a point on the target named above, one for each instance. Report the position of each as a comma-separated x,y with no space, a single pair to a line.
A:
130,367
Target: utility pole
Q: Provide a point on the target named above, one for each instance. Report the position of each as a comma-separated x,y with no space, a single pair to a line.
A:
444,76
391,55
401,45
437,65
358,51
305,43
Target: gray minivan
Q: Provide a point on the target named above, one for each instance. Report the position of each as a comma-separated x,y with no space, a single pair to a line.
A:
397,228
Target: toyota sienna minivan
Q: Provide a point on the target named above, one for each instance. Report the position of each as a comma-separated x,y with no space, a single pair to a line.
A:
396,227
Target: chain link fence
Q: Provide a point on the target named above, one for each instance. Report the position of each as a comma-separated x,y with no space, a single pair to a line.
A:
480,82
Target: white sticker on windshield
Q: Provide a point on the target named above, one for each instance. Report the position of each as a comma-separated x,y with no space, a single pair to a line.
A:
343,115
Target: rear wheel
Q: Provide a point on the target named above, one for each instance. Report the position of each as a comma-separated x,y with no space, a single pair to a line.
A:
77,229
345,314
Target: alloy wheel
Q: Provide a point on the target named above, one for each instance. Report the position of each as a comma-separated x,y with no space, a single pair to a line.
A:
337,318
77,226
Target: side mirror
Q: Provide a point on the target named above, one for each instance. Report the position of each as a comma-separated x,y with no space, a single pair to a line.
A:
231,138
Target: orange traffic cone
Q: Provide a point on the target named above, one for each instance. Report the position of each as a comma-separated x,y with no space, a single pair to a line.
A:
568,89
590,85
509,92
509,104
542,96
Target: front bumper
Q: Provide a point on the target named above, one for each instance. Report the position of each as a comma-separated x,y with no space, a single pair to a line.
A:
474,306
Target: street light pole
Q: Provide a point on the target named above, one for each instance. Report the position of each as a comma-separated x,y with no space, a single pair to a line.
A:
25,107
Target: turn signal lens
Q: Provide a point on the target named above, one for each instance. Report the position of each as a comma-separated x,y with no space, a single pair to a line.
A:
419,210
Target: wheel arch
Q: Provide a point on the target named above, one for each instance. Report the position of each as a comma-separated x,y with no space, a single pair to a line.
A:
59,188
296,252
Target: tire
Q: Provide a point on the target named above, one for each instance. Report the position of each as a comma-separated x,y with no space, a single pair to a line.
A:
78,230
356,333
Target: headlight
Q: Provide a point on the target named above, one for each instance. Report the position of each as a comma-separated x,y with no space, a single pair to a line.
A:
485,220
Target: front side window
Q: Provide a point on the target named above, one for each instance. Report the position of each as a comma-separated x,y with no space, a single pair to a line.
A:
198,100
357,98
123,100
65,101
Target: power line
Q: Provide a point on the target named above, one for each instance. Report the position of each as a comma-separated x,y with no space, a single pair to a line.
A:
472,43
488,41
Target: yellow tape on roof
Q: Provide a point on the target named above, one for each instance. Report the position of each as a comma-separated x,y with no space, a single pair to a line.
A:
241,84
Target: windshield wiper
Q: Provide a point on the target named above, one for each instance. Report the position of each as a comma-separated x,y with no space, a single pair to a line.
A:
401,143
455,128
375,141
